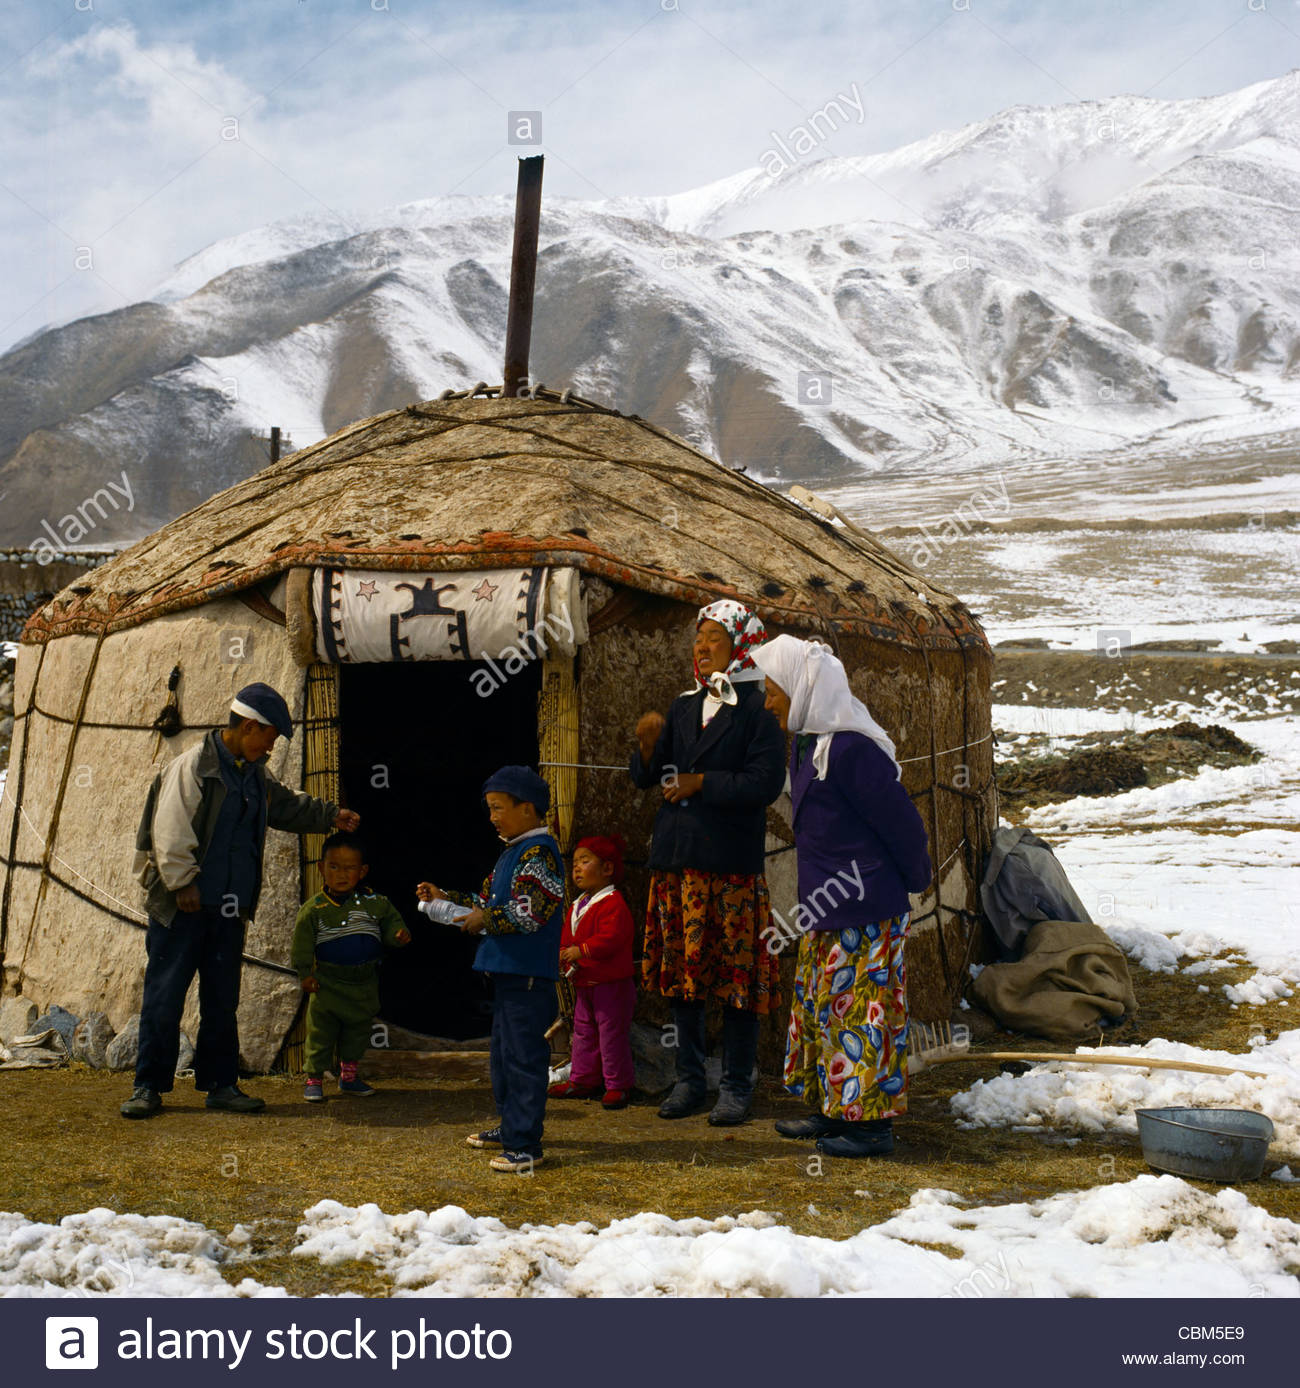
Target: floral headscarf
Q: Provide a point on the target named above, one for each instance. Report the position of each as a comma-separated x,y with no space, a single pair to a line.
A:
747,631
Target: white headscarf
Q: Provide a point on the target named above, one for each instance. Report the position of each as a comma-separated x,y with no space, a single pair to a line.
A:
821,701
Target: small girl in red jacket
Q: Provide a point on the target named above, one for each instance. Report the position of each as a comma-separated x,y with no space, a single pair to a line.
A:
596,953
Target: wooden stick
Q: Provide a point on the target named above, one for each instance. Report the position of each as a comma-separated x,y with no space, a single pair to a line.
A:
1153,1063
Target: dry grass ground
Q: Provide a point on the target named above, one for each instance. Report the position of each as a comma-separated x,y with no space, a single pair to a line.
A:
67,1150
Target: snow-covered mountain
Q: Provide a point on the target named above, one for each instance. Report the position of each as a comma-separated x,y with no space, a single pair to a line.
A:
1051,282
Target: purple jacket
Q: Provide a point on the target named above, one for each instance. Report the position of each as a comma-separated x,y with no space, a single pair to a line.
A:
862,845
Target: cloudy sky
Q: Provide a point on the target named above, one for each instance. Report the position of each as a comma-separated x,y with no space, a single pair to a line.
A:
137,133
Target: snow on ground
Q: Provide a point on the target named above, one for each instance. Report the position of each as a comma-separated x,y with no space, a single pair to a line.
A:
1104,1098
1240,636
1211,894
1192,874
103,1253
1152,1236
1140,1238
1199,868
1231,583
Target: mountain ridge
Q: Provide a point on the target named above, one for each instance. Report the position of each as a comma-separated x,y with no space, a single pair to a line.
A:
1040,293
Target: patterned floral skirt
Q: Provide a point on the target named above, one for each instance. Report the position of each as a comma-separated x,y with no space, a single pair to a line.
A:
703,939
846,1051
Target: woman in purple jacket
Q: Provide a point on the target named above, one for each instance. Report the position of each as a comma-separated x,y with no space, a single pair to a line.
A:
862,848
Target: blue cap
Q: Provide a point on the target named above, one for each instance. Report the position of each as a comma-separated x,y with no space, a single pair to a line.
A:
523,783
262,704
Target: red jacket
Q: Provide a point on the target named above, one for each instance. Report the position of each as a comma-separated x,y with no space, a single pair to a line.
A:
604,934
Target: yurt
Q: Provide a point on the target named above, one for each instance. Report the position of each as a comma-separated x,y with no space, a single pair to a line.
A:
474,580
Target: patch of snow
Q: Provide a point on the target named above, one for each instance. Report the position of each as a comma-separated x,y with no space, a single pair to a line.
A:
1257,990
103,1253
1152,1236
1158,953
1104,1098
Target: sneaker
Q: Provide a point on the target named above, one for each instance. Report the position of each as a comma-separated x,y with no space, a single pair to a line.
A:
566,1089
521,1162
489,1137
356,1086
143,1103
233,1100
615,1098
811,1125
314,1091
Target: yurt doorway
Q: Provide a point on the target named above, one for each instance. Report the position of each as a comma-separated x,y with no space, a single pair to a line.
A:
416,744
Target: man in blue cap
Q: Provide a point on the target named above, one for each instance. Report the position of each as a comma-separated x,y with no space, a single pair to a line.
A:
199,855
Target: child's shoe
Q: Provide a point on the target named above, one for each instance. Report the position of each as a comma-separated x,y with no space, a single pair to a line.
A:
314,1091
489,1137
566,1089
352,1083
615,1098
521,1162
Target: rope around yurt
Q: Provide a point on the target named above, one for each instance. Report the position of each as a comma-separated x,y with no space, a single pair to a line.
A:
57,809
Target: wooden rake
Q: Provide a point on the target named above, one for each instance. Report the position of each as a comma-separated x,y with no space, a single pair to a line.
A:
934,1043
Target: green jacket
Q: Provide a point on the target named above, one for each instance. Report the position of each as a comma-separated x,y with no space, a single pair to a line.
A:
180,815
323,918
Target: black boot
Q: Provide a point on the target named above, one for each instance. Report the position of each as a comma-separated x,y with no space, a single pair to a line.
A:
810,1125
689,1093
874,1138
739,1052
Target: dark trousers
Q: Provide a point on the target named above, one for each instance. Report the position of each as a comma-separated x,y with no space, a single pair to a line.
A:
522,1009
209,944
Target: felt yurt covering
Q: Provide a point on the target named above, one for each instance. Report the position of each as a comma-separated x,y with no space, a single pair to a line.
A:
353,577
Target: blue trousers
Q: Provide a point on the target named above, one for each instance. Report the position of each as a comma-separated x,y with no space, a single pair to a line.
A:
210,944
522,1009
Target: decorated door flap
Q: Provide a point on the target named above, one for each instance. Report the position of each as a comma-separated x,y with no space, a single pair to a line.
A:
507,617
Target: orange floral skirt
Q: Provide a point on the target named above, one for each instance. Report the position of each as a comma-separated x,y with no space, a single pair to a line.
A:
703,939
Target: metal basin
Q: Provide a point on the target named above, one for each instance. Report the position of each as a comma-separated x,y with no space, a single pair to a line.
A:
1206,1144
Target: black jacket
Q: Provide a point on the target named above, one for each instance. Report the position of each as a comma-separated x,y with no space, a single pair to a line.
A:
741,755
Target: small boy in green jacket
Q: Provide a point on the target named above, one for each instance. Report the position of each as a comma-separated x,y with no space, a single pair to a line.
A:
338,940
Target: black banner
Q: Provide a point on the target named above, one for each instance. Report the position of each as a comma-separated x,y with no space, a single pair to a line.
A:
632,1343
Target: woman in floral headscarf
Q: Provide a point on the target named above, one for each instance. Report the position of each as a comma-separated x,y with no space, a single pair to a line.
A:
862,849
718,760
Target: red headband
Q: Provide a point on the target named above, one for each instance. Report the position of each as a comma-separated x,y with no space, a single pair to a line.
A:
608,848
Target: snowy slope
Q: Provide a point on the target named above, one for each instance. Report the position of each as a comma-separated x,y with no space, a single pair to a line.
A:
1050,282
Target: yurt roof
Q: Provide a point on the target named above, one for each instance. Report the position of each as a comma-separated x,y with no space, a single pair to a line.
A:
471,482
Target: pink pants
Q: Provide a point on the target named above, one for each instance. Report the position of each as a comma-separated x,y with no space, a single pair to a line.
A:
602,1017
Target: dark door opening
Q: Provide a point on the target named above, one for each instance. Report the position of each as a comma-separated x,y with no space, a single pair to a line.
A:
416,744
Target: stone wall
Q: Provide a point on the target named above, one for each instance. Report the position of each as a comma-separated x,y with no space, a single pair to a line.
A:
25,583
